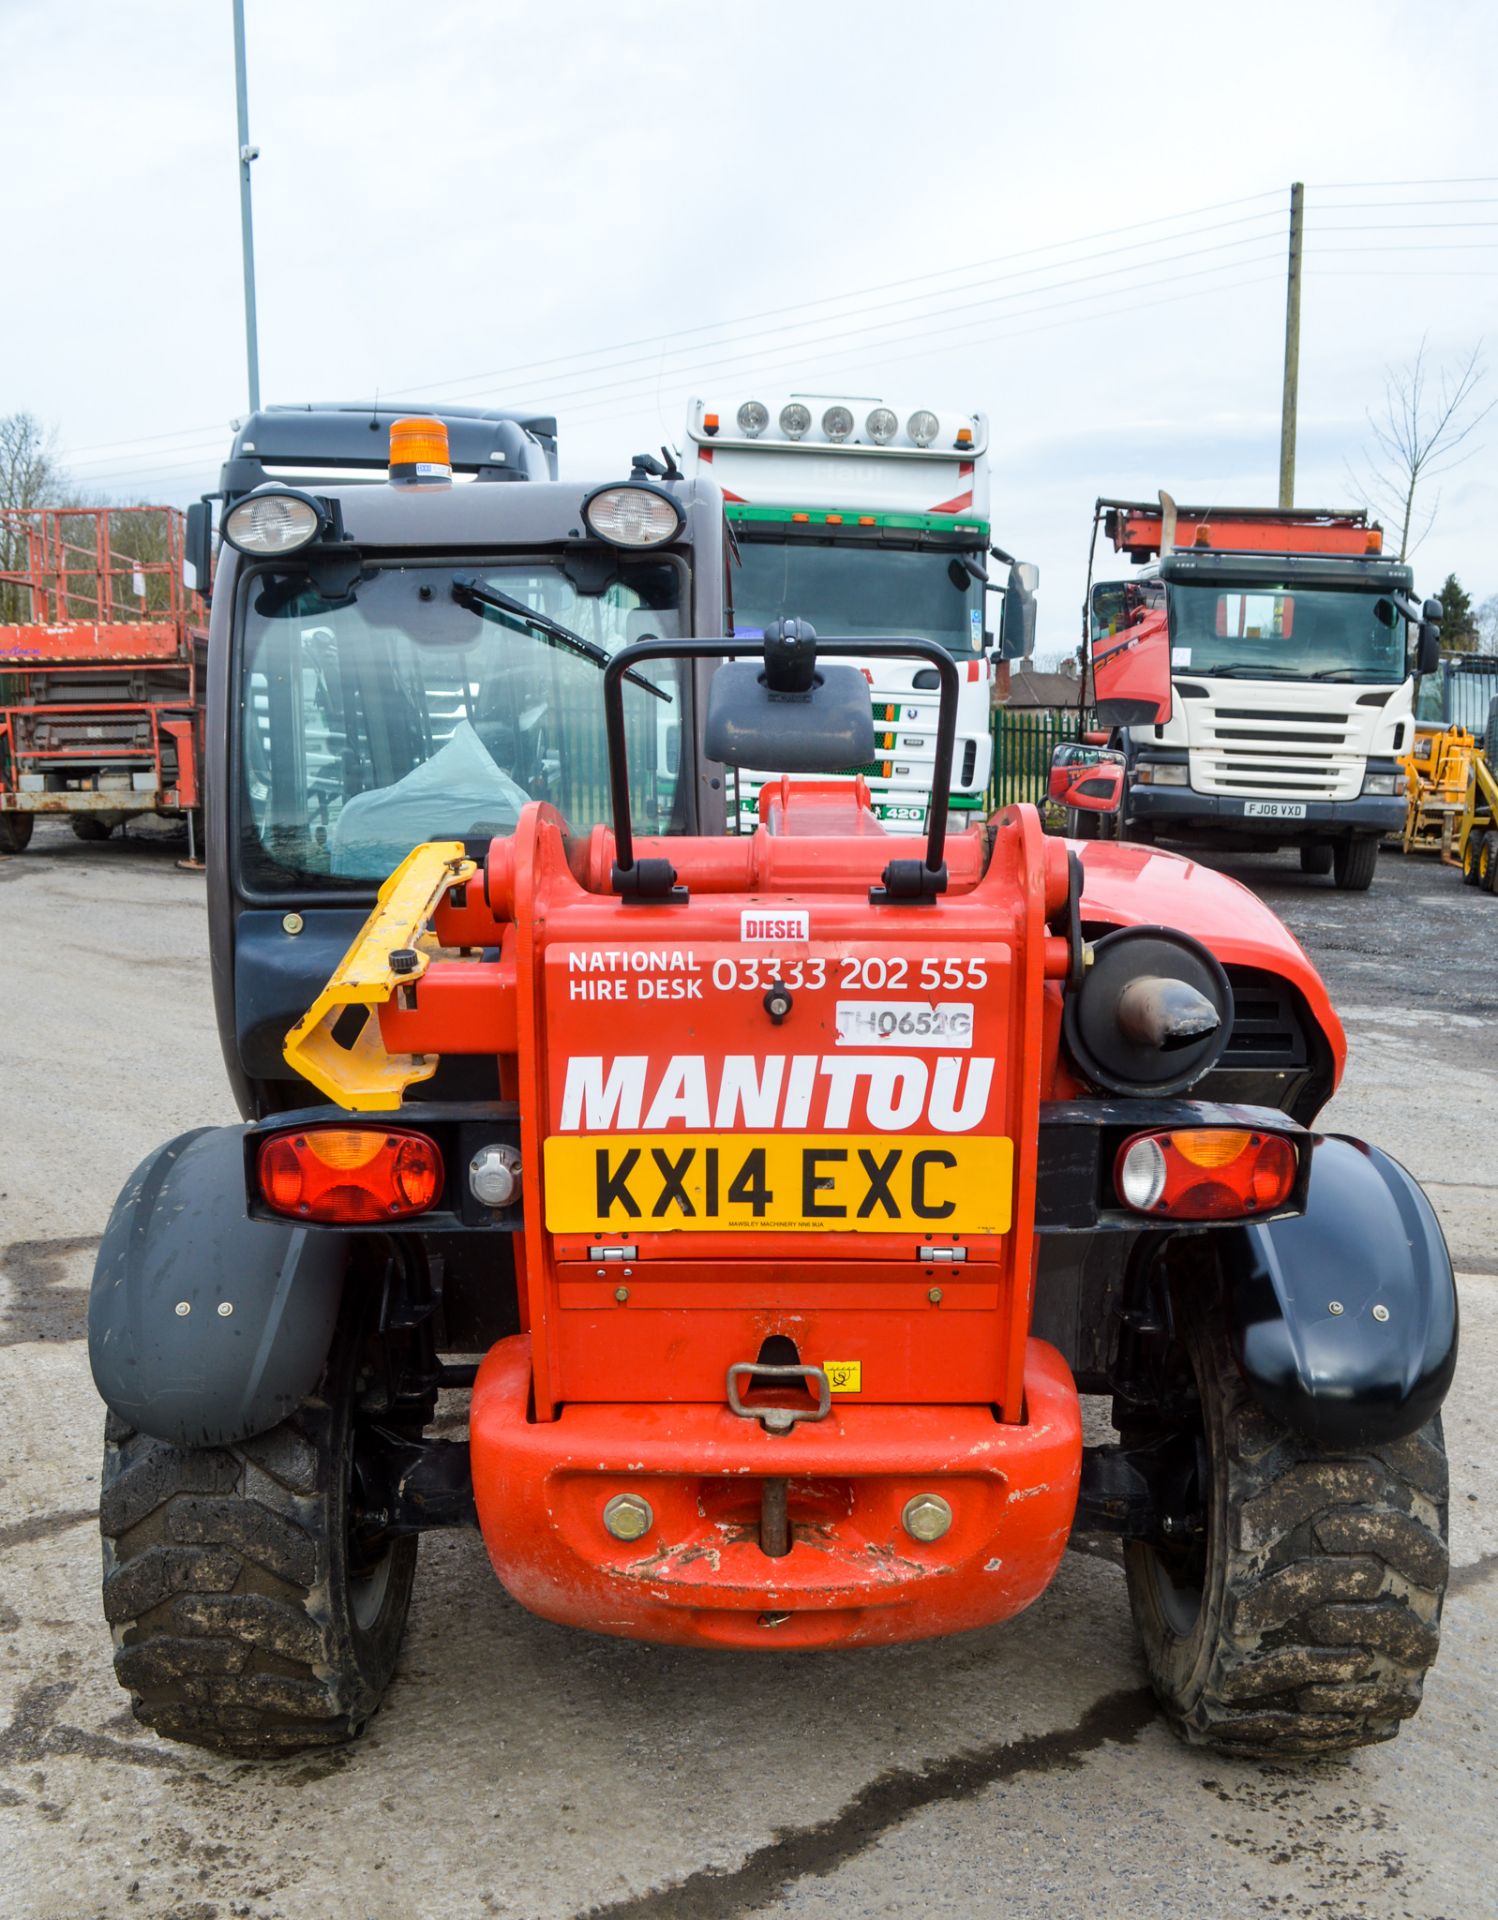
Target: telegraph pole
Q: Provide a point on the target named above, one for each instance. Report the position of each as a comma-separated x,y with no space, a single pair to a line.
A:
1291,396
247,153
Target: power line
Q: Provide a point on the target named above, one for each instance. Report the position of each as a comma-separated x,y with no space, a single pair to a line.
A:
809,346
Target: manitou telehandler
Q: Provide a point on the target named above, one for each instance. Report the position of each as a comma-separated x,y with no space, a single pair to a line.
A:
773,1196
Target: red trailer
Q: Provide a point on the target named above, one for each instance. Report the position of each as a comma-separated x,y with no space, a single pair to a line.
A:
101,670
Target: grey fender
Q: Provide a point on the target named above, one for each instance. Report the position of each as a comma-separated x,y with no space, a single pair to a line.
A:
1344,1319
204,1326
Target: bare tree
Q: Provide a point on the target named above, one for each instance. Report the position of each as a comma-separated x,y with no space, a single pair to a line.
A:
29,477
1419,434
1487,625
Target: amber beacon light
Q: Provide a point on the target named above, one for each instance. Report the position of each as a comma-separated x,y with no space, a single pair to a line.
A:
419,452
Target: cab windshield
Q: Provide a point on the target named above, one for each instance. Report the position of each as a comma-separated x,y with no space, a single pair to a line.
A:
375,719
1285,633
872,591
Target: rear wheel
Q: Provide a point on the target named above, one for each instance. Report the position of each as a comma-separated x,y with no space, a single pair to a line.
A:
92,826
1469,859
1304,1614
1353,862
248,1615
1487,861
15,831
1316,857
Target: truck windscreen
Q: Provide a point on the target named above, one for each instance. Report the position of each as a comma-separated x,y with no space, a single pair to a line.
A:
393,714
871,590
1285,633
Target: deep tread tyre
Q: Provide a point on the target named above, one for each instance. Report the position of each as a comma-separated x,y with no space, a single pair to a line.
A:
1487,861
1353,863
240,1621
1469,859
15,831
1316,858
1317,1587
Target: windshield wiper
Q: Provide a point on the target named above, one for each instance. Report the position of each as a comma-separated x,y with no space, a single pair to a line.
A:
468,593
1242,669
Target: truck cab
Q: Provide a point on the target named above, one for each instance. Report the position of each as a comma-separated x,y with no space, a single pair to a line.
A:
861,517
1258,674
396,662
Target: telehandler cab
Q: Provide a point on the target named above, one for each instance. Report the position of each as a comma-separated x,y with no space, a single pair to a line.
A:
774,1196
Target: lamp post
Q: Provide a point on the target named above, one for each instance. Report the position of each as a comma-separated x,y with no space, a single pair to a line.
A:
247,153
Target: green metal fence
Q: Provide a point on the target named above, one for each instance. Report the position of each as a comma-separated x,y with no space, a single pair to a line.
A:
1023,740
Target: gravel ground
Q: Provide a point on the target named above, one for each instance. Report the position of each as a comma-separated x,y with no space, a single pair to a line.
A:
520,1769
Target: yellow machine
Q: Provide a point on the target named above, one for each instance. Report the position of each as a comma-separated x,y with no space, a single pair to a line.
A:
1477,826
1437,782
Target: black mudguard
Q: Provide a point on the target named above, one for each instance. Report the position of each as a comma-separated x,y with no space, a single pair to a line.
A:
178,1251
1305,1295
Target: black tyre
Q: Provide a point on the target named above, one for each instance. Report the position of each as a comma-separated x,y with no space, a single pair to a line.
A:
15,831
92,826
1081,825
1316,857
1487,861
1304,1615
1353,862
247,1617
1469,859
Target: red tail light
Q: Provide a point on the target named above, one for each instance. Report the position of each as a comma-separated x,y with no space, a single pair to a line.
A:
1205,1173
345,1175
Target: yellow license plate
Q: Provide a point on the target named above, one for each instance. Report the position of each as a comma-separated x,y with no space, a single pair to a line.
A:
768,1182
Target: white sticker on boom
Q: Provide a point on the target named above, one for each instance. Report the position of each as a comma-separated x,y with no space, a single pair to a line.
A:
774,923
905,1023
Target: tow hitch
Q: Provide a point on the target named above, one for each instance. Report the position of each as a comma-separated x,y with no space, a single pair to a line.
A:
774,1512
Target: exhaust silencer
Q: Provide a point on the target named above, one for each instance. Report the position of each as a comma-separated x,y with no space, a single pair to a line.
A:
1152,1015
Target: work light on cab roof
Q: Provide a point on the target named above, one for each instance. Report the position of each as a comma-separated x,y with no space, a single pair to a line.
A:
273,522
850,423
632,515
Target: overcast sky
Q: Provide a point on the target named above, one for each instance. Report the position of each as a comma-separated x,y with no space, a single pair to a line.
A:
1070,216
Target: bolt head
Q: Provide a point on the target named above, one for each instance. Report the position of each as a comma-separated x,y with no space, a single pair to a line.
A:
225,1308
621,1294
183,1309
934,1296
926,1516
1334,1306
292,922
628,1517
1380,1313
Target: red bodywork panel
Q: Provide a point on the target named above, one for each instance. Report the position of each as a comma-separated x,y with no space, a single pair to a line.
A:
854,1173
853,1577
1128,886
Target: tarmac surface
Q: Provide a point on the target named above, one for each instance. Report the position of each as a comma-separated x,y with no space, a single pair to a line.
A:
519,1769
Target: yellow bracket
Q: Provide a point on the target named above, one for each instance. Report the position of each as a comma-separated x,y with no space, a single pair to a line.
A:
362,1076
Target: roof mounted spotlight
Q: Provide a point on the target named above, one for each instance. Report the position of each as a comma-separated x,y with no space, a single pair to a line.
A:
633,515
794,420
278,520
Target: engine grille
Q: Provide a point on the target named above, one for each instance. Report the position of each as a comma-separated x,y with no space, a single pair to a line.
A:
1270,751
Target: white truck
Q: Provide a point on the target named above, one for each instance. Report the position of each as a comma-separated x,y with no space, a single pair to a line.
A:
1258,674
864,518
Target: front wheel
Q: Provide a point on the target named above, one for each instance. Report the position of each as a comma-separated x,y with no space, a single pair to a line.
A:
15,831
1304,1613
1316,857
1353,862
1469,859
248,1614
1487,861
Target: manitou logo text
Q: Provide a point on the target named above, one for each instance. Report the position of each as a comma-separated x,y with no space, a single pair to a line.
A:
880,1092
